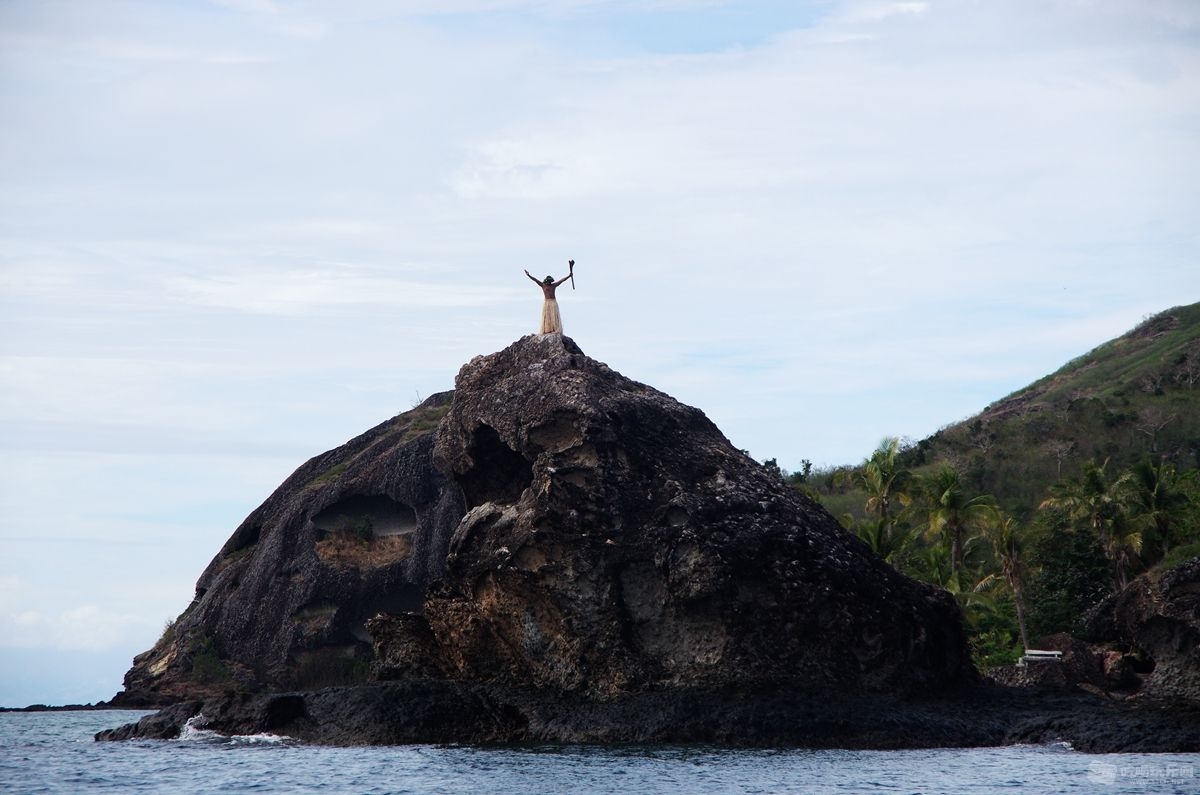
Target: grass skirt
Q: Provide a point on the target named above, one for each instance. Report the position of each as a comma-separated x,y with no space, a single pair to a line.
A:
551,320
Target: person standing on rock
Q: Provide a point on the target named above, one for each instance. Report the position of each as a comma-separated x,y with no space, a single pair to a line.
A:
551,319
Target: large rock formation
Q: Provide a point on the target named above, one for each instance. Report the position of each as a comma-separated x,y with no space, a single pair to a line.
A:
1153,628
606,539
615,540
567,543
355,531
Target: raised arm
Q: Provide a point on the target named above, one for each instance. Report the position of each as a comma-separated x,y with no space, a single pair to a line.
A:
563,279
538,282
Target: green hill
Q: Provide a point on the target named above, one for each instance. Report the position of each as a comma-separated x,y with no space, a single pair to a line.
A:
1134,396
1095,470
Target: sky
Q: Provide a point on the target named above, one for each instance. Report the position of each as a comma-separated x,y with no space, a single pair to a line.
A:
235,234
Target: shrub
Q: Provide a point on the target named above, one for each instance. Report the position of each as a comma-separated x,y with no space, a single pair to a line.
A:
207,665
1179,555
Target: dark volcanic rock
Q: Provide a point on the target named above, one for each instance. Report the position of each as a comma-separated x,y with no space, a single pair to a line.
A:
439,710
615,540
1141,672
620,573
355,531
404,647
1156,618
1081,664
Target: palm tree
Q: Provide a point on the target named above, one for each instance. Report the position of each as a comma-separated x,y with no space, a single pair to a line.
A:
935,565
1124,544
889,541
884,480
1089,497
885,483
1006,540
951,515
1155,500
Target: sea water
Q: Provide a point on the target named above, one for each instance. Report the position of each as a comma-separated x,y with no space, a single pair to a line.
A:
55,752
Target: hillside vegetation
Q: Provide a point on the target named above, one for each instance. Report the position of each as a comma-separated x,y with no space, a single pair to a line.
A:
1132,397
1037,508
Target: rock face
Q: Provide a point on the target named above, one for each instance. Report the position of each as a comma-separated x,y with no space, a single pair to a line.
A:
1155,621
355,531
615,540
567,543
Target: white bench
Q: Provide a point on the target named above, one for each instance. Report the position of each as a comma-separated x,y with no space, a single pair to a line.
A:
1038,655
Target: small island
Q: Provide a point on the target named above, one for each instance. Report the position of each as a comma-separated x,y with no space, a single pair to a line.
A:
553,552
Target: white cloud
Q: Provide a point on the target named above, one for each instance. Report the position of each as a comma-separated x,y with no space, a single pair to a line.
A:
86,627
873,12
251,6
305,290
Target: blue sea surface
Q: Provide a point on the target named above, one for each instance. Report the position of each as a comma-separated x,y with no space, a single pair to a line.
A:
54,752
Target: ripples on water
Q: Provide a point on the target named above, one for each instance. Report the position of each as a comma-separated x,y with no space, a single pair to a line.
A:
54,752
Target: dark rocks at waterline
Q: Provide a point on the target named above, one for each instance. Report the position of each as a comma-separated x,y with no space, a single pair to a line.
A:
437,710
1097,724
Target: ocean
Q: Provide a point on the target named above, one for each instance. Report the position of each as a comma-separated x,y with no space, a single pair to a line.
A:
54,752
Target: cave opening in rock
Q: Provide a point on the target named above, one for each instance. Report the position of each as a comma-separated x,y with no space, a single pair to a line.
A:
407,598
244,537
367,516
499,473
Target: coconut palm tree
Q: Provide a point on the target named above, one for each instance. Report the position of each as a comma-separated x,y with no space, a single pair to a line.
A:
1124,545
951,515
1091,498
1087,496
884,480
1156,502
1005,536
890,541
935,565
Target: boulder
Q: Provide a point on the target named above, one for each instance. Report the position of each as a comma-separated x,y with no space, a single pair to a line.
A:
1080,664
1154,623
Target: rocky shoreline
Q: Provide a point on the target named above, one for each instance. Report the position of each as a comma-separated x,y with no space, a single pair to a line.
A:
436,711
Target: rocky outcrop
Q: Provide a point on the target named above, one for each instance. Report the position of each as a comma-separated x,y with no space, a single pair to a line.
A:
564,528
571,554
358,530
1152,629
615,540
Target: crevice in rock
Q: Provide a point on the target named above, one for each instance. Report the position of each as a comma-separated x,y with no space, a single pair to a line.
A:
499,474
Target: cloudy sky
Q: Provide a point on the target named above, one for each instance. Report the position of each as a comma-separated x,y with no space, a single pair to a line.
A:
234,234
